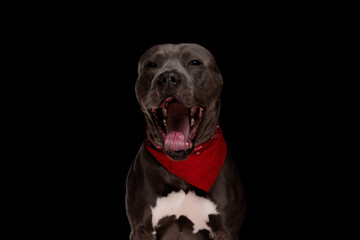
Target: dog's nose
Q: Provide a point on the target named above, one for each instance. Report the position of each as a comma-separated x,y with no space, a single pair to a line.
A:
171,78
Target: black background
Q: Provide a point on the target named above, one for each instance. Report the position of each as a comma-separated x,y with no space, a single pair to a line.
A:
91,126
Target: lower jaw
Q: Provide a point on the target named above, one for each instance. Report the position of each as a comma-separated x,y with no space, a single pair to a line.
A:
179,155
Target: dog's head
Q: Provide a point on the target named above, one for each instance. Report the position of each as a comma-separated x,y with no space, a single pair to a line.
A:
178,89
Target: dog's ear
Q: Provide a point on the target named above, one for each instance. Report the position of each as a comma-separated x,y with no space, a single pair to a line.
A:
217,74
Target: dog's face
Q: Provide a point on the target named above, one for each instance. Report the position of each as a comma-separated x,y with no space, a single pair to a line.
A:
178,89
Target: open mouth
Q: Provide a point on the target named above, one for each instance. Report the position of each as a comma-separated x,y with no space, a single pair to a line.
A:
177,124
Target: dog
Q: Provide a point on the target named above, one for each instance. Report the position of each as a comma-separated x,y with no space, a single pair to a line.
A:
183,183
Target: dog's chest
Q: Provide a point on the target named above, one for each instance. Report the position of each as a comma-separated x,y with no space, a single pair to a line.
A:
197,209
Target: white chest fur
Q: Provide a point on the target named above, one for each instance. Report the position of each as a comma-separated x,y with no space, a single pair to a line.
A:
195,208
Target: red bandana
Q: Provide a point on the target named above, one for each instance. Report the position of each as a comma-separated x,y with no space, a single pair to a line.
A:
202,167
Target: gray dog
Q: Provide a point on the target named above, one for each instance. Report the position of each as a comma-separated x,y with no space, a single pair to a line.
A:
183,183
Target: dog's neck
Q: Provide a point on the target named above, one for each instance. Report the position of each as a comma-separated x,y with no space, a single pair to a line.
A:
202,167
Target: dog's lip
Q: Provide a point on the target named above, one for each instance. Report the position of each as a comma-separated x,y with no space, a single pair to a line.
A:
170,99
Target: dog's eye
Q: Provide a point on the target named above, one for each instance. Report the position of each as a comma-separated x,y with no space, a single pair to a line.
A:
194,63
151,65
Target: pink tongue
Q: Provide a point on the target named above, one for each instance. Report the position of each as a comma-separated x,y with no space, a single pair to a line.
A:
177,127
175,141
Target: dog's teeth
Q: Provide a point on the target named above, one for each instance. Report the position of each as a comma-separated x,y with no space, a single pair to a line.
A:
192,122
164,110
164,121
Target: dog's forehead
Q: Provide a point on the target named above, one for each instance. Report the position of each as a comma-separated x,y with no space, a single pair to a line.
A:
176,50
